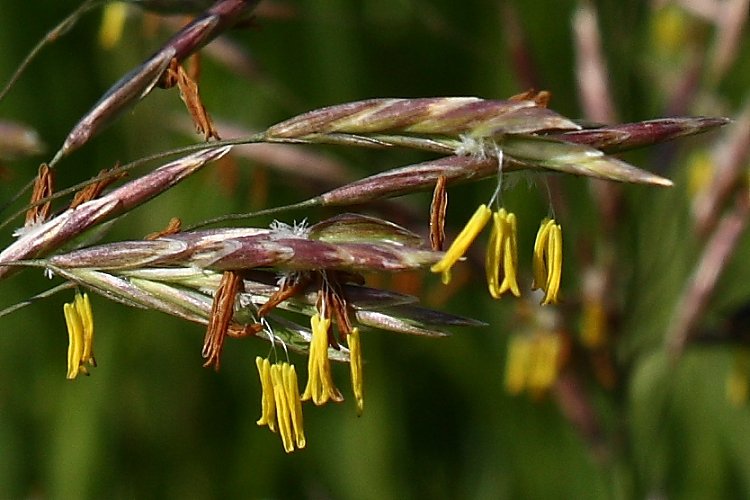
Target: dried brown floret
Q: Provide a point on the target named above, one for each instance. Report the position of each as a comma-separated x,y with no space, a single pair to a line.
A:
437,214
220,318
43,188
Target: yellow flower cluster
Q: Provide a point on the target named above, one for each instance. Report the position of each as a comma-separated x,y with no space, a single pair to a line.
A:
533,362
281,408
80,322
281,404
502,254
320,387
547,265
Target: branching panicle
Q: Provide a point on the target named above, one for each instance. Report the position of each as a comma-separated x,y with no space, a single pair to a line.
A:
301,287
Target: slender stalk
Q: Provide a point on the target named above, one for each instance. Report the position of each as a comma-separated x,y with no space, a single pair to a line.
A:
63,27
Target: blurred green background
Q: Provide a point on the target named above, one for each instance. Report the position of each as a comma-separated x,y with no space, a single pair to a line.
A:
438,420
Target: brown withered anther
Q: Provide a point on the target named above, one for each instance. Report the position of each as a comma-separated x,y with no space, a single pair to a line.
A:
437,214
287,289
174,226
541,98
176,75
330,291
332,295
140,81
222,310
93,190
43,188
242,331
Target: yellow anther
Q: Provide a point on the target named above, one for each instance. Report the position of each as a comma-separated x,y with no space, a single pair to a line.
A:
75,339
517,364
113,22
291,388
281,406
539,267
320,387
502,255
533,362
268,402
554,265
83,305
355,363
283,415
593,325
80,323
547,265
700,170
545,362
671,30
462,242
